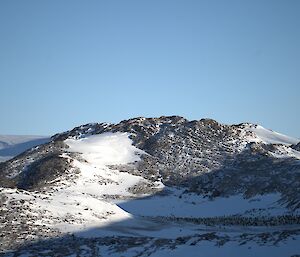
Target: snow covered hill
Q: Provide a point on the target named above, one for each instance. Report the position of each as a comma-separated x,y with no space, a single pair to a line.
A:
10,145
154,187
267,136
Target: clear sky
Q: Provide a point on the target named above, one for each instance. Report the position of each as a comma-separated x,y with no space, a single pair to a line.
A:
65,63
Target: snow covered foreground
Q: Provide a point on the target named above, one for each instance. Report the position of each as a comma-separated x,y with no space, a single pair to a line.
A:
99,202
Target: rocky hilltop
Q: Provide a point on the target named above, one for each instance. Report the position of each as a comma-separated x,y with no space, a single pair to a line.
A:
153,187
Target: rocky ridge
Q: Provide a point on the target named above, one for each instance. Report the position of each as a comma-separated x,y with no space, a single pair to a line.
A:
190,161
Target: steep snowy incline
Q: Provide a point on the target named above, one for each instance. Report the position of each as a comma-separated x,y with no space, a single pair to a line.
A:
269,136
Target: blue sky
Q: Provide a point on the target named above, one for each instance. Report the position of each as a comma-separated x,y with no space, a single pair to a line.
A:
64,63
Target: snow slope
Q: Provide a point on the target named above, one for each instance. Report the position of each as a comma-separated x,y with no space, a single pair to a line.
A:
84,202
177,204
97,201
269,136
105,149
99,180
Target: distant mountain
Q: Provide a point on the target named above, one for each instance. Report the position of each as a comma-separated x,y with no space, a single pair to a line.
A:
12,145
154,187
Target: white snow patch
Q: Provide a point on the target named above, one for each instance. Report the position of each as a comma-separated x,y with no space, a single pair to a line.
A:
106,149
192,205
83,204
96,178
268,136
76,211
100,181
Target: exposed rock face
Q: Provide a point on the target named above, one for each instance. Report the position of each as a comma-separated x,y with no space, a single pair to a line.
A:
43,171
204,158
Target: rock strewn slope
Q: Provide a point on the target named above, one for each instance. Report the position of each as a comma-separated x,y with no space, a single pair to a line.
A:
175,166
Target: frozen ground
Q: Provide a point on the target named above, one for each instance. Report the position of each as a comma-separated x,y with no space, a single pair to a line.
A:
99,214
175,203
